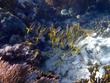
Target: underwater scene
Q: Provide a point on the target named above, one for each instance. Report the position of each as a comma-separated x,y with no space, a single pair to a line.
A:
54,41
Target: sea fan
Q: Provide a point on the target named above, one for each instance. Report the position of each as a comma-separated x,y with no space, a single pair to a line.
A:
15,73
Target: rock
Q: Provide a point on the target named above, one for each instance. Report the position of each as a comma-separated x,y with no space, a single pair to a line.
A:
47,80
64,12
52,65
10,25
10,22
30,9
19,53
15,39
65,80
64,69
26,10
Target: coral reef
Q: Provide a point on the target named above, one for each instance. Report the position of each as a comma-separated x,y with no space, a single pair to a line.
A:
42,35
23,73
21,53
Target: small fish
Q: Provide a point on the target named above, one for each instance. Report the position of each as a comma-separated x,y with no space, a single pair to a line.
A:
54,32
89,32
76,32
76,51
64,12
70,11
37,39
78,16
62,44
51,55
109,25
71,45
59,63
57,40
50,35
68,51
35,55
42,30
64,54
52,42
30,28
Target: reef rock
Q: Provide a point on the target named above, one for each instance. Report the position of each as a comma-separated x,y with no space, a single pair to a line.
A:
20,53
26,10
10,25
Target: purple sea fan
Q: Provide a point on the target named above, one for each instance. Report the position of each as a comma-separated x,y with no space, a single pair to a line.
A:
15,73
